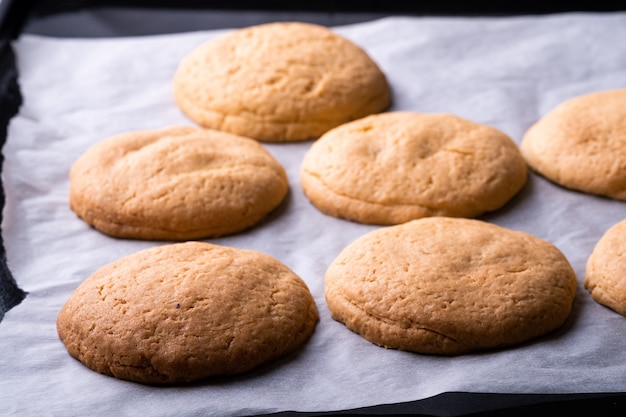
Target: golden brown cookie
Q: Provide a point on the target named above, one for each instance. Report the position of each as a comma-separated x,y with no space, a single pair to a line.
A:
450,286
393,167
279,82
581,144
177,183
183,312
606,269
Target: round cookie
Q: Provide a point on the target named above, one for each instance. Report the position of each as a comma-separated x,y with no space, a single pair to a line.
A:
581,144
450,286
605,275
393,167
279,82
183,312
177,183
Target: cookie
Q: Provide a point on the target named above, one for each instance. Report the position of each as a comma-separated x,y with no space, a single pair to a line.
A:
279,82
177,183
183,312
605,275
449,286
581,144
393,167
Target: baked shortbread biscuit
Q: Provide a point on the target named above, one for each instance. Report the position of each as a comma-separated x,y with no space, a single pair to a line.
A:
183,312
449,286
279,82
393,167
581,144
605,275
177,183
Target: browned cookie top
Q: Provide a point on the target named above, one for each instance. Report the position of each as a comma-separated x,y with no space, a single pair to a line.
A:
176,183
187,311
581,144
394,167
449,286
279,82
606,269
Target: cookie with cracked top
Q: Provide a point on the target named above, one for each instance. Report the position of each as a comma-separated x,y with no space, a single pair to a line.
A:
184,312
450,286
279,82
581,144
606,269
393,167
176,183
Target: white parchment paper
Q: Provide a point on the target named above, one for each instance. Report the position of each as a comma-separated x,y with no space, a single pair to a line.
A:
506,72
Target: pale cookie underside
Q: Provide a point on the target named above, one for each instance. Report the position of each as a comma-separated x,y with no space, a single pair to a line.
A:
606,269
450,286
184,312
176,183
581,144
279,82
394,167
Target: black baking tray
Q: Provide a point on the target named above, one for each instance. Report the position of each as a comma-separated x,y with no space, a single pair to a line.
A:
107,18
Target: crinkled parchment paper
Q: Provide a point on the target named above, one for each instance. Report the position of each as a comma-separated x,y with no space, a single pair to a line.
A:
502,71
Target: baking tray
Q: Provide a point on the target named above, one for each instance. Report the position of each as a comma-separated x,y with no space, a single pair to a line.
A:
74,19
